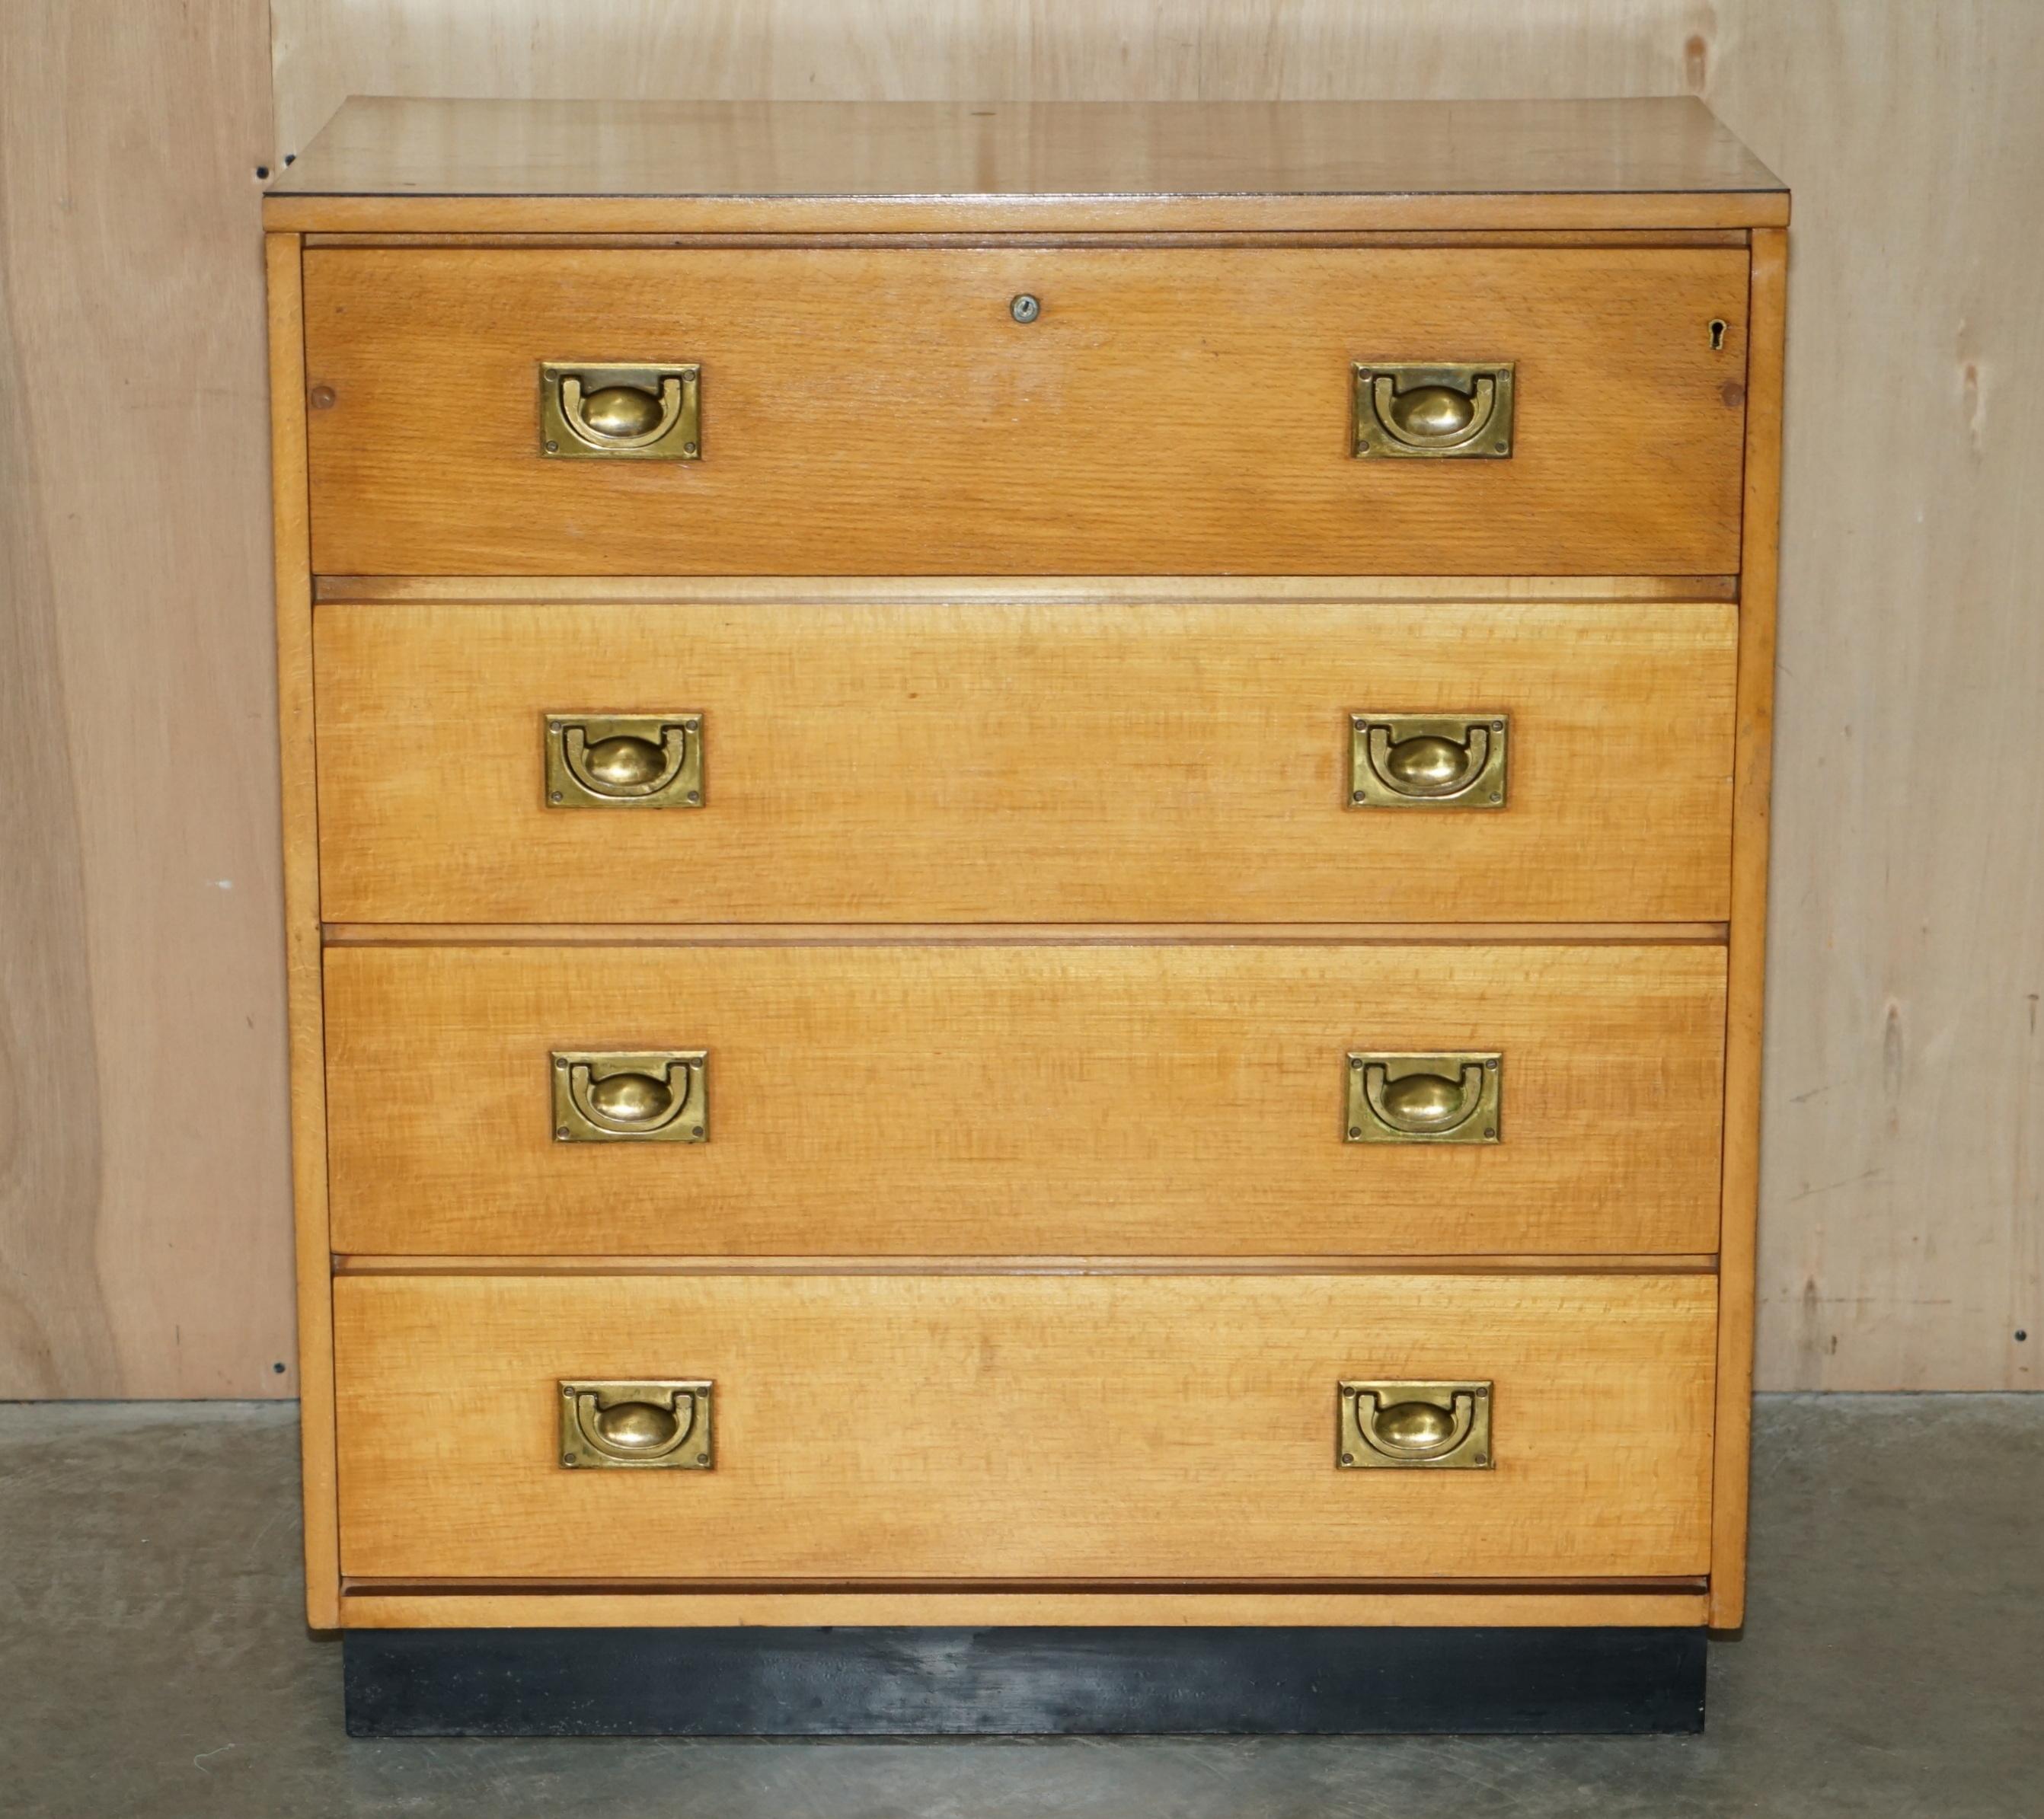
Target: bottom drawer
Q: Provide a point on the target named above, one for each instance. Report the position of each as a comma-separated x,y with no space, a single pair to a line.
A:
977,1427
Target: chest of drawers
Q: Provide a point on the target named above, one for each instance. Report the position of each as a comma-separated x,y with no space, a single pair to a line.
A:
1026,855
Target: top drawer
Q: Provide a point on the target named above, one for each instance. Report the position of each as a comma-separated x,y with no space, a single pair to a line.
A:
1166,411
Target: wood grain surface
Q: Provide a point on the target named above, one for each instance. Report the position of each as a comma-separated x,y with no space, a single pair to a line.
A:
992,1427
1170,410
1902,1202
372,1605
1083,1100
1080,763
145,1224
707,165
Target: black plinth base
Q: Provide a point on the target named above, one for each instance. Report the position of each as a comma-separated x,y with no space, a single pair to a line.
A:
1019,1682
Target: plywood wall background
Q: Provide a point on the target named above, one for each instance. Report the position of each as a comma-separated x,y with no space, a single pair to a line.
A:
143,1233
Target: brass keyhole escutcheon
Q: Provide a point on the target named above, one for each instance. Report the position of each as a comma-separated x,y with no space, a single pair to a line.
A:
1428,761
657,1423
1398,1423
1452,1097
1403,409
616,1096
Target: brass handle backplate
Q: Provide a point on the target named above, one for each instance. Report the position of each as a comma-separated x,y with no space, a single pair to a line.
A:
624,761
1449,1097
1427,761
1433,411
615,1096
1443,1426
616,412
656,1424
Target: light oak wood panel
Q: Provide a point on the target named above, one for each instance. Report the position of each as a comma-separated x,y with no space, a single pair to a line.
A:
304,973
396,164
1047,590
144,1236
1894,1240
1660,1263
986,52
372,1608
879,412
893,1428
1019,934
1745,960
1902,1237
1902,1202
1081,763
1087,1100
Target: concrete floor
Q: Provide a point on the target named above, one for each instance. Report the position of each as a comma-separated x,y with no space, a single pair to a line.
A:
153,1663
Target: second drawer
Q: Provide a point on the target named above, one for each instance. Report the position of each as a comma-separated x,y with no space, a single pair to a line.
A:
1064,1100
997,761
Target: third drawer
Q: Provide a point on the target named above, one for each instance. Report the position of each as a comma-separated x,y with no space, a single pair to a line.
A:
989,760
1069,1098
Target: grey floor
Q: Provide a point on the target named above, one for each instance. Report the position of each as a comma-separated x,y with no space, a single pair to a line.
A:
152,1662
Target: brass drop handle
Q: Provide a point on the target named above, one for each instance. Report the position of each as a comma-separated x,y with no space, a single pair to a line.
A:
1450,1098
1403,1423
615,1096
1428,761
1405,409
652,1423
620,417
646,414
624,761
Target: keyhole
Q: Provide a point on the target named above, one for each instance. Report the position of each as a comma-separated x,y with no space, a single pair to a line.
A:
1717,335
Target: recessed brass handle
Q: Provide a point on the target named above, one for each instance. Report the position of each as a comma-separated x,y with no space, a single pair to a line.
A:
661,1424
615,1096
1428,761
1453,1097
620,412
1446,1426
1402,410
624,761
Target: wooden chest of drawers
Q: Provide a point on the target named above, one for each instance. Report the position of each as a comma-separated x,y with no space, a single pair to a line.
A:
1027,853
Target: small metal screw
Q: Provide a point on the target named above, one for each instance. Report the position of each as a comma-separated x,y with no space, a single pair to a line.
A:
567,1389
1483,1459
553,795
1355,1062
560,1134
553,448
1502,447
690,726
702,1458
560,1063
695,796
695,1131
1025,307
322,397
1355,796
568,1458
1497,726
1495,797
1355,1130
1492,1063
1348,1459
688,448
1491,1132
